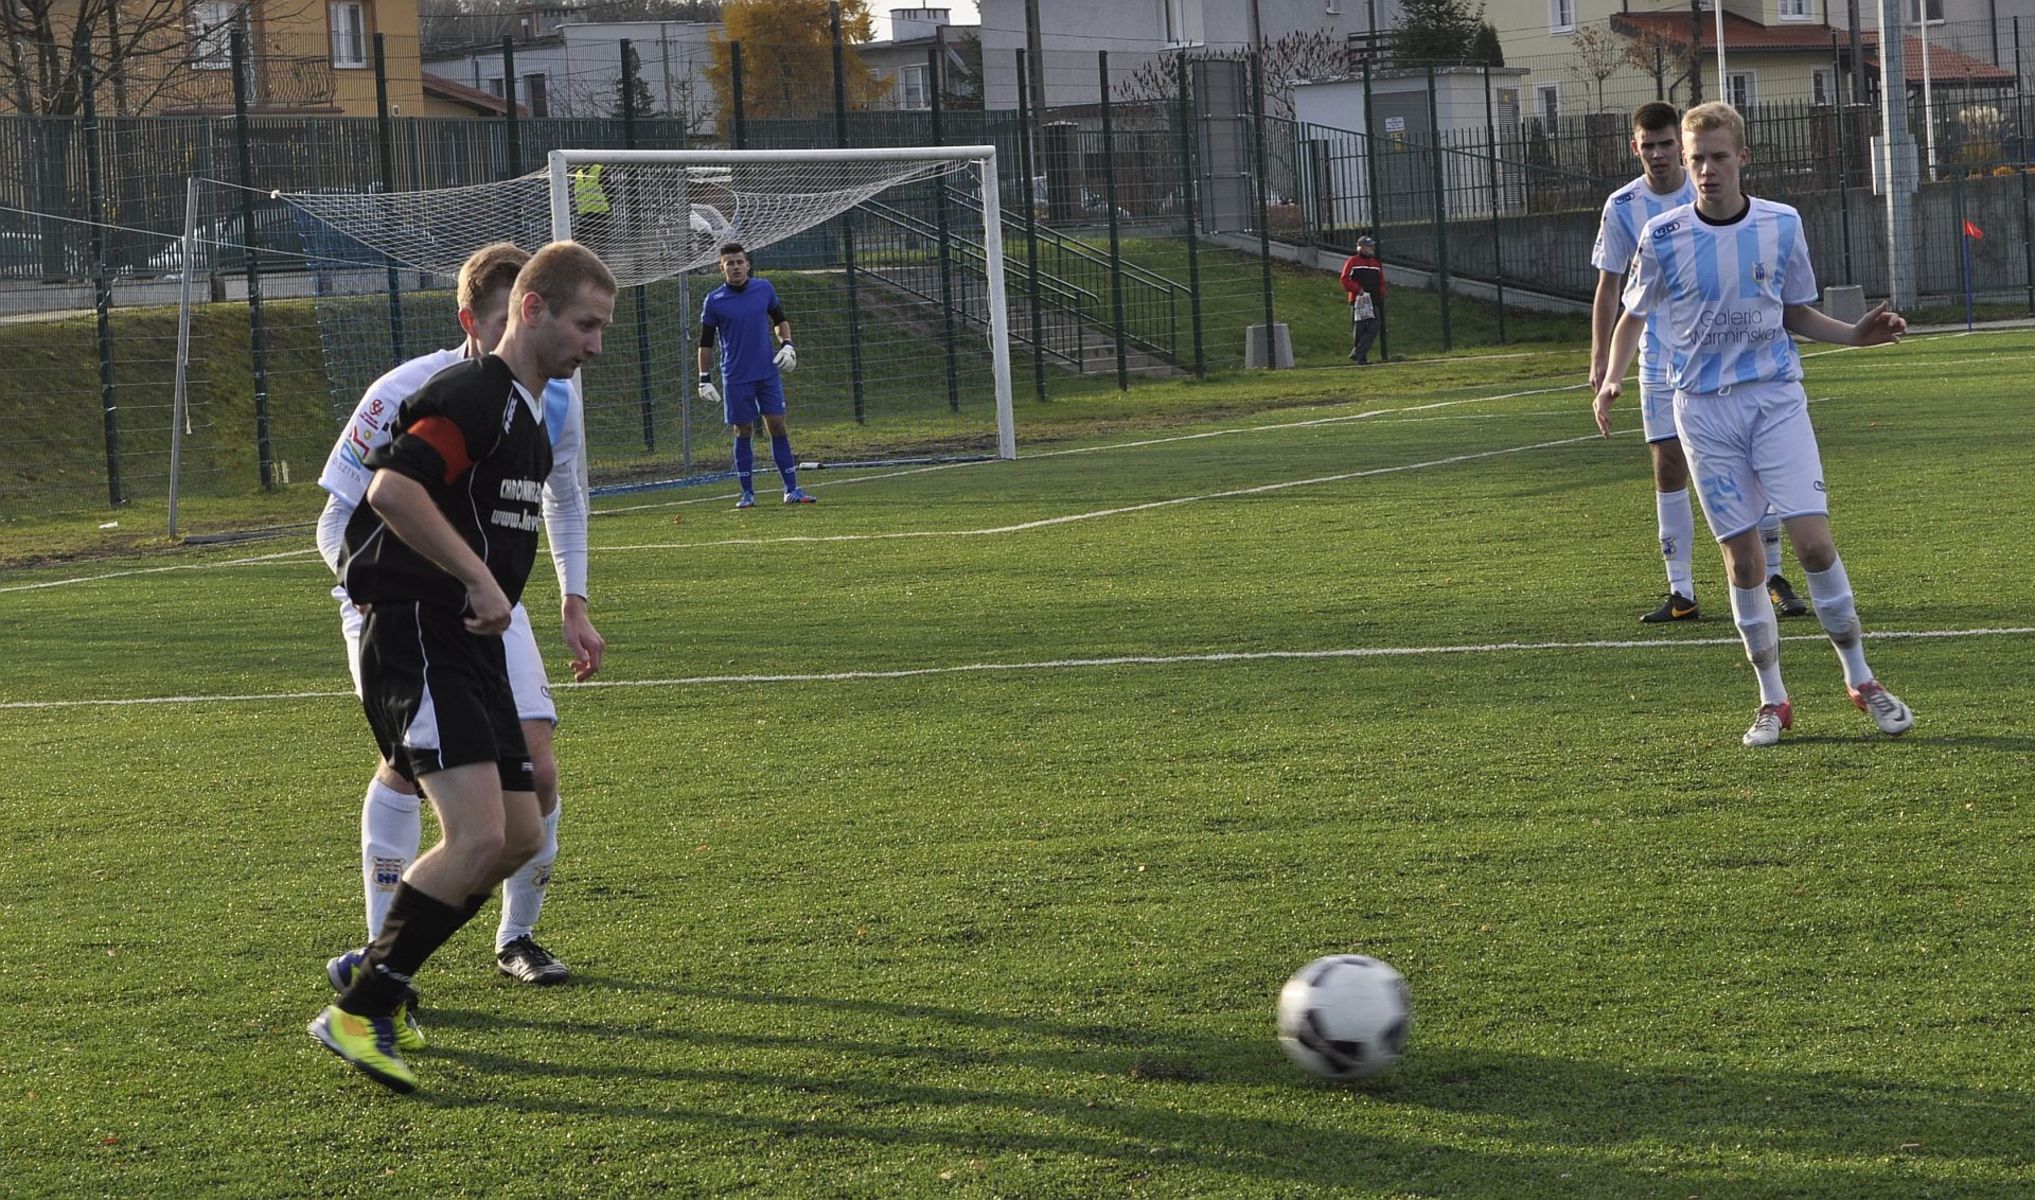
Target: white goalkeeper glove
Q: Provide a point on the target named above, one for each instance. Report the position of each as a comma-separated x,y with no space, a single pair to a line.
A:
787,358
708,392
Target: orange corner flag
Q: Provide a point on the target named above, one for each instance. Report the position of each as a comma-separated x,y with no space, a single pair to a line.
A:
1972,231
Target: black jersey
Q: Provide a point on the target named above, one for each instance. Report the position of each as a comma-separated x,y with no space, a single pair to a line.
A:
476,441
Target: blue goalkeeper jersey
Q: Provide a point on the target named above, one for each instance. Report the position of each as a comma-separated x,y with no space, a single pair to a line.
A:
742,320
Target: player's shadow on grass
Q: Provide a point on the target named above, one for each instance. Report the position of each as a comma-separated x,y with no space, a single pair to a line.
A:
1449,1121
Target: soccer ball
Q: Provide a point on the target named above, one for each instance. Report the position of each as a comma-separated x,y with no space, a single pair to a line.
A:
1345,1016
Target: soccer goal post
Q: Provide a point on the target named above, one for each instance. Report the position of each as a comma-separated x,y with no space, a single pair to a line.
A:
888,263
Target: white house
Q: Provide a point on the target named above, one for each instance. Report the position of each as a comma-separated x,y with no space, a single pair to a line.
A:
1135,31
906,59
574,69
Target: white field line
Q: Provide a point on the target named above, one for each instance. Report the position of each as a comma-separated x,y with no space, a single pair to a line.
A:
1097,514
1368,415
1281,426
1070,664
257,560
1141,443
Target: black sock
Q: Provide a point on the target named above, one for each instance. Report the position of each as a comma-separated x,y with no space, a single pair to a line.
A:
416,925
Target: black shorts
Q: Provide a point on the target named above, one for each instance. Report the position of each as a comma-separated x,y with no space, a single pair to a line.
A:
438,697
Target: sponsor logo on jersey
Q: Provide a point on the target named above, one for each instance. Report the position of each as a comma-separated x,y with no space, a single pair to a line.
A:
1661,231
1622,198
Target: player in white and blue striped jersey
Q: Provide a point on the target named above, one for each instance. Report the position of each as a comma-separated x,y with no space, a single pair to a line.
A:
1728,279
1662,185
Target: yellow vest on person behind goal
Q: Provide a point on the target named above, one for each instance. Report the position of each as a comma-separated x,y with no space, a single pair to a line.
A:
587,195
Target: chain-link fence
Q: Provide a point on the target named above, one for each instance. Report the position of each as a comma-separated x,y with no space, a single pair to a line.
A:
1170,224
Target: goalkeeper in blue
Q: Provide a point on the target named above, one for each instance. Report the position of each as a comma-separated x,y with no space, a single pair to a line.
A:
1728,280
743,315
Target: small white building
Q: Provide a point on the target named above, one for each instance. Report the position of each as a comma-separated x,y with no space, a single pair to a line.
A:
574,69
1401,125
918,38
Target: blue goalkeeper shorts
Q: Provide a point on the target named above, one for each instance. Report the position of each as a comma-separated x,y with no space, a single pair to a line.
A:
741,402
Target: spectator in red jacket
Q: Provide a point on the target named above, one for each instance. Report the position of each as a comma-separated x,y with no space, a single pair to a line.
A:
1363,278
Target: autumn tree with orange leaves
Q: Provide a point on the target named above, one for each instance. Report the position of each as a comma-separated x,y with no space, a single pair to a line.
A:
788,57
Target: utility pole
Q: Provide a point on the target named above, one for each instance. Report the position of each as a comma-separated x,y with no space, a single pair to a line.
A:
1696,53
1857,57
1035,59
1895,158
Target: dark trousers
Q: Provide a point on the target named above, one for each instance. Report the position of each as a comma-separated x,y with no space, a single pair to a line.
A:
1362,334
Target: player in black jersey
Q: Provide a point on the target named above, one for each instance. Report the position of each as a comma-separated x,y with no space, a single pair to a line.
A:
437,556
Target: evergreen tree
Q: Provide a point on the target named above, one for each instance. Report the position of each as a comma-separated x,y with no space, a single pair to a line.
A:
640,100
1485,49
1439,31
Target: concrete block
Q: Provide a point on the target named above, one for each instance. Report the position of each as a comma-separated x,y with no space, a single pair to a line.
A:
1254,346
1844,303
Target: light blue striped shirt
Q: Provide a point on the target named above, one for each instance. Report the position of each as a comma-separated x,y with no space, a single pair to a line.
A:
1625,214
1720,293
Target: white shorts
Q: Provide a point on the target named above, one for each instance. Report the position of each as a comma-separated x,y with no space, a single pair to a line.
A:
1657,411
519,646
1750,446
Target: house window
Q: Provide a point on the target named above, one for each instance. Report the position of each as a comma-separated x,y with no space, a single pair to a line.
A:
533,95
911,88
495,87
212,26
1561,16
1915,10
1550,104
1182,20
1823,85
1739,87
349,33
1795,10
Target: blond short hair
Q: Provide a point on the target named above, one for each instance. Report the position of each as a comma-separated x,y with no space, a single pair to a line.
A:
1715,115
560,272
489,272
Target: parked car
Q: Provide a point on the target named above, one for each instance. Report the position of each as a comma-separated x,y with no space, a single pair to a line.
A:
23,256
222,244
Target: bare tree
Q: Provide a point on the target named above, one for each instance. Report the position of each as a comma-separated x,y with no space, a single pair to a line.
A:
147,52
1303,56
1664,59
1597,54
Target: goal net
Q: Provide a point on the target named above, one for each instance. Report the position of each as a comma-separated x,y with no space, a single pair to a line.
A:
888,263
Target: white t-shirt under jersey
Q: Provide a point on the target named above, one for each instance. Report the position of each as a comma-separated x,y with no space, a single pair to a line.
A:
565,506
1626,212
1720,291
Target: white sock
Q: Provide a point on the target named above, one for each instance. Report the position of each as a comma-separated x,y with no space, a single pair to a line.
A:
523,892
1770,541
1753,611
1831,592
1677,530
390,828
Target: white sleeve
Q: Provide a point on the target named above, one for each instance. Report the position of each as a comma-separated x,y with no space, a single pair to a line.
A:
565,501
1645,285
1613,251
332,530
1798,283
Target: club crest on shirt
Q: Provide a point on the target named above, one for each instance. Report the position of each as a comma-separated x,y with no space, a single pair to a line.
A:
1759,272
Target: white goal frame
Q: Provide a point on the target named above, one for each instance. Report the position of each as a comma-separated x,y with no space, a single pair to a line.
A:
981,160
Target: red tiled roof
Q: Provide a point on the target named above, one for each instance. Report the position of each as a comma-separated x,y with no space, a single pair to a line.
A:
1739,33
1945,65
459,93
